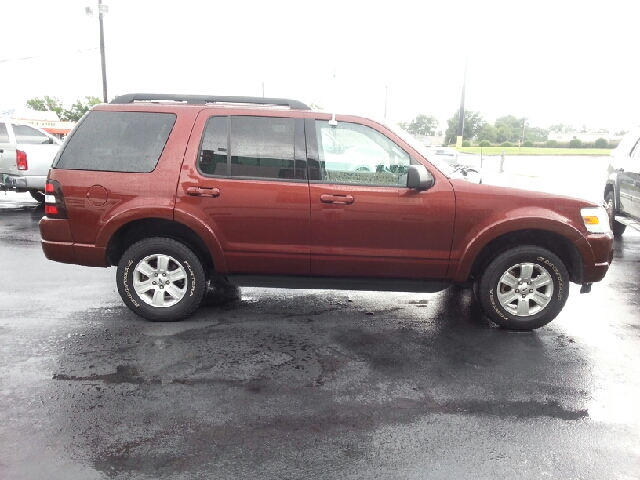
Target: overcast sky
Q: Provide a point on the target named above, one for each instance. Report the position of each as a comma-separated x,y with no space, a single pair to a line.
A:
566,61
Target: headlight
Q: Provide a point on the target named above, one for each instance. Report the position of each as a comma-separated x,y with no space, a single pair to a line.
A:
596,219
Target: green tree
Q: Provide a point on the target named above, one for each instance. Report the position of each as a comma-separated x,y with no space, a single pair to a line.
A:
473,123
487,132
53,104
46,104
422,125
561,128
621,133
508,129
536,134
79,108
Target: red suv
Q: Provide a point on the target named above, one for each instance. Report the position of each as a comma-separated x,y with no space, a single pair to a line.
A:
179,191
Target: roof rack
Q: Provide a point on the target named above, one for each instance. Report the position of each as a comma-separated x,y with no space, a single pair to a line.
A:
205,99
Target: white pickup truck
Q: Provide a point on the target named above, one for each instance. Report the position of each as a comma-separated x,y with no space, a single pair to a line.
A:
26,154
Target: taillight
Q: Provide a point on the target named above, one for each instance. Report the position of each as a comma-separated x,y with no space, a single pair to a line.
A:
21,160
54,206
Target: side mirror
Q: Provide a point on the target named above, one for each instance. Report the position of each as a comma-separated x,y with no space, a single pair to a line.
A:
419,178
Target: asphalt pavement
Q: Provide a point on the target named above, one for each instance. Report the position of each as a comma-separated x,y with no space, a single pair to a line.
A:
281,384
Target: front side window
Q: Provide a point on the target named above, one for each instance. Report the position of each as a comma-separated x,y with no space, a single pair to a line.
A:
259,147
117,142
356,154
28,135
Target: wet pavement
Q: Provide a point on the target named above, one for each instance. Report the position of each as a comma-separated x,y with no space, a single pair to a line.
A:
284,384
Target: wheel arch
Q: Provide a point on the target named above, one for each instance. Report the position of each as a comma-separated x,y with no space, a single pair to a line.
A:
556,243
136,230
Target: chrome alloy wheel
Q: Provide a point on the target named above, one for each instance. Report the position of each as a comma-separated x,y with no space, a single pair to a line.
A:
525,289
160,280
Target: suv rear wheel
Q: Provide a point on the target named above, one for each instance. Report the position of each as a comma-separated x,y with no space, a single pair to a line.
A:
524,288
161,279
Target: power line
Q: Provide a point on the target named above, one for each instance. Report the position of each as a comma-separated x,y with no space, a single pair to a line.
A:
4,60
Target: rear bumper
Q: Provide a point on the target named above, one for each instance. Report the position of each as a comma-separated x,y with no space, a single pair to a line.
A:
597,255
27,182
58,245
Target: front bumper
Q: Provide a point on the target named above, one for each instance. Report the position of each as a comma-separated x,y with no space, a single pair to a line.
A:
597,255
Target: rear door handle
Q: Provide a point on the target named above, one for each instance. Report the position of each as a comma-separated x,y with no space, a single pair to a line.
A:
337,199
211,192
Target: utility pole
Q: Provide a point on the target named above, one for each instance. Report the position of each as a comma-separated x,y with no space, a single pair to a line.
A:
461,113
524,122
101,11
385,100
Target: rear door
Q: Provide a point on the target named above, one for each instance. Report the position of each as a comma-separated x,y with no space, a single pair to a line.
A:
365,222
245,176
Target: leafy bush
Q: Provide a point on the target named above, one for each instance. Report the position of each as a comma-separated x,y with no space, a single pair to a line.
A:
602,143
485,143
528,143
575,143
552,143
506,144
466,143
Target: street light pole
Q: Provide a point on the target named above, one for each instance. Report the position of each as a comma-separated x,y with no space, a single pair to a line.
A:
102,60
461,113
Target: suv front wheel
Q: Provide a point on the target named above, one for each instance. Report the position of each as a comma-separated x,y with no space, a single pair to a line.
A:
524,288
161,279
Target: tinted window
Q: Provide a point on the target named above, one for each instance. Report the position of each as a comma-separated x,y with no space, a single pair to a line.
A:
117,142
264,147
357,154
213,151
28,135
4,135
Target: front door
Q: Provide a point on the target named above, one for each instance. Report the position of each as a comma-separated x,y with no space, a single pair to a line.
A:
365,222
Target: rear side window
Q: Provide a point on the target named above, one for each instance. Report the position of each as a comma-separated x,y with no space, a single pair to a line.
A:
29,135
117,142
255,147
4,135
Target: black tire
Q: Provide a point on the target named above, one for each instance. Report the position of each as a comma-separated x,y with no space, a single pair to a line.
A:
617,227
37,195
526,265
179,269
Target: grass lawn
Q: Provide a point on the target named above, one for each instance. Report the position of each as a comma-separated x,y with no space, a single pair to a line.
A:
535,151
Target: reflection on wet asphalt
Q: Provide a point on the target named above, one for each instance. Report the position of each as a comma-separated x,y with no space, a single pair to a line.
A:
309,384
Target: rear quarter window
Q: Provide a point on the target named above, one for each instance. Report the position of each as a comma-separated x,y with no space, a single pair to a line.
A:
117,142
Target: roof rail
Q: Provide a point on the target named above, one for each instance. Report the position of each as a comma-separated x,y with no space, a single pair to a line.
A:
204,99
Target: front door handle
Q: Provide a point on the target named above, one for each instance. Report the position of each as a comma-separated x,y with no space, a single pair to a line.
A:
337,199
211,192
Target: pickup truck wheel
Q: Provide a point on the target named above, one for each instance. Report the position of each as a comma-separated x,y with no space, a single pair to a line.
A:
524,288
160,279
37,195
617,227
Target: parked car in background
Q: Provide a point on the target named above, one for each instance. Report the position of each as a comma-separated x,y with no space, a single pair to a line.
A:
26,154
622,191
445,154
183,191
